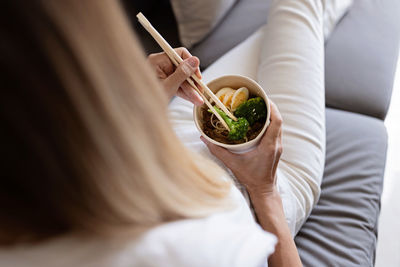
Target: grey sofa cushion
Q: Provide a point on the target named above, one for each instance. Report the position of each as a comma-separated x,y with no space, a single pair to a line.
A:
235,28
161,16
361,58
341,230
361,53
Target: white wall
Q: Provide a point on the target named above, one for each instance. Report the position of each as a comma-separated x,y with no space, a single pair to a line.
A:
388,252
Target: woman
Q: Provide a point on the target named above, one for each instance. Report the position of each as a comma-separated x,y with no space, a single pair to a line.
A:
93,174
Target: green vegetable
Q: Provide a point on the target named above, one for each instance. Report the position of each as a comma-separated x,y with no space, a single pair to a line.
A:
253,110
238,129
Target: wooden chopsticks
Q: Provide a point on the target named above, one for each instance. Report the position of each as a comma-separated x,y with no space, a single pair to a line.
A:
176,60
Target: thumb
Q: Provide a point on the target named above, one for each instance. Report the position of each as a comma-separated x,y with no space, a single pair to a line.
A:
188,67
221,153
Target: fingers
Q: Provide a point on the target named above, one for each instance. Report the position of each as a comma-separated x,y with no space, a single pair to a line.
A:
182,72
221,153
164,66
182,94
174,78
274,129
278,154
184,54
161,63
193,96
276,120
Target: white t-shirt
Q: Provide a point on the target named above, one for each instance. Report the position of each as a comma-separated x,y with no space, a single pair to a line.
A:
230,238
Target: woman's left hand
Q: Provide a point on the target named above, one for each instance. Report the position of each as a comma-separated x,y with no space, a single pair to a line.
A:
174,78
256,169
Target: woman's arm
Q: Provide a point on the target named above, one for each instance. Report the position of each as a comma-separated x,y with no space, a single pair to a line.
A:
256,170
270,215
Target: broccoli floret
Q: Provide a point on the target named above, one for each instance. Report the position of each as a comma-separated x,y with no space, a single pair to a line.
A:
253,110
238,129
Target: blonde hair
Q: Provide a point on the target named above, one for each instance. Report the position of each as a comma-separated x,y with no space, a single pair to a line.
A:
126,168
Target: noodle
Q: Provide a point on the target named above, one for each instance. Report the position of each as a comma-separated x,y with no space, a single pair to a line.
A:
212,120
217,124
214,129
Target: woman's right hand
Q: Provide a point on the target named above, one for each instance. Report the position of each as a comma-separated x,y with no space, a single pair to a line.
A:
256,169
174,78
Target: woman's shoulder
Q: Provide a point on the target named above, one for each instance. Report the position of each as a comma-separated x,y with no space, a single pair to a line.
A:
230,238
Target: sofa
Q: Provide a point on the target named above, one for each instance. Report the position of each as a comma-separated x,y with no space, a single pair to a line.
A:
360,62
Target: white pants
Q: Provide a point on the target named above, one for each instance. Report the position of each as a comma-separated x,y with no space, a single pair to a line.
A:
286,57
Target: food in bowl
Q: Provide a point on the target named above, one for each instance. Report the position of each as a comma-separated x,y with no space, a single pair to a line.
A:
250,111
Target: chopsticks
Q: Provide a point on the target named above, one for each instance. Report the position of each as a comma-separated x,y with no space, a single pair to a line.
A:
176,60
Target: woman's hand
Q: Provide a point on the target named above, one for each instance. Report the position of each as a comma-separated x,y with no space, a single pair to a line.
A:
256,169
174,78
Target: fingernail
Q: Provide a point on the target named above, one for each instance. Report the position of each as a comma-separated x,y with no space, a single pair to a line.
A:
192,62
199,100
203,139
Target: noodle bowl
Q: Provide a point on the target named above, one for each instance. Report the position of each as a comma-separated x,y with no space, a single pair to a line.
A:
213,130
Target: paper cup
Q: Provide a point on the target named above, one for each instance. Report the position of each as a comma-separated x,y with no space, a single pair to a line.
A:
234,81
